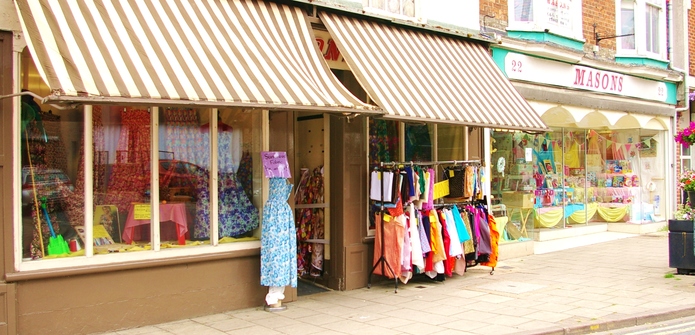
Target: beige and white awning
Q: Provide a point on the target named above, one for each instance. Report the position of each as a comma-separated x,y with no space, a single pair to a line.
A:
420,75
213,53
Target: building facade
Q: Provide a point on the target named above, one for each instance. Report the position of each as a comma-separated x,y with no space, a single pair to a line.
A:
142,129
609,79
133,181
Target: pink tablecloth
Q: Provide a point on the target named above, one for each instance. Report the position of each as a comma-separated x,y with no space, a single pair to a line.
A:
173,224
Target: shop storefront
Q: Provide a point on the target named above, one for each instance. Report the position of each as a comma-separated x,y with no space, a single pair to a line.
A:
145,155
437,92
606,161
137,187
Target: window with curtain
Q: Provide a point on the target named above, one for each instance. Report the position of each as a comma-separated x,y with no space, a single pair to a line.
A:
557,17
523,10
627,24
645,19
652,29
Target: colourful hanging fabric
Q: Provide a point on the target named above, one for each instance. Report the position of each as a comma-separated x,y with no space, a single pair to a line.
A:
494,243
393,230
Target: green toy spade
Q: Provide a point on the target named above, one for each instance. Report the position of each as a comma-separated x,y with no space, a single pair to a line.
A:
56,244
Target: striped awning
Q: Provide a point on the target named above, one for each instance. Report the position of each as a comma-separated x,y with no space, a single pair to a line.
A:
210,53
420,75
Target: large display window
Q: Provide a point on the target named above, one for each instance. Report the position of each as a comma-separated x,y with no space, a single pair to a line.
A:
395,141
55,222
571,177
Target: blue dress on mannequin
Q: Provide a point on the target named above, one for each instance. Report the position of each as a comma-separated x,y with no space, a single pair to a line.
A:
278,237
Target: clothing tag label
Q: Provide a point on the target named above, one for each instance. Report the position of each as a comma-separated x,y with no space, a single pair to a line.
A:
387,218
451,173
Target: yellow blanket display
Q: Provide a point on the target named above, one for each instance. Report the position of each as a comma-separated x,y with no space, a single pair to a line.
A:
550,217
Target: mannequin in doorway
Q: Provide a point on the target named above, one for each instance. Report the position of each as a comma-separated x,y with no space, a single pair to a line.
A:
278,243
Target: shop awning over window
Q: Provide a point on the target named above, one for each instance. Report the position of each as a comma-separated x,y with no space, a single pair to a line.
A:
421,75
210,53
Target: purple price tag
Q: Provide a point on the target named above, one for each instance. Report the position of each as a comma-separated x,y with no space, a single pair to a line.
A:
275,164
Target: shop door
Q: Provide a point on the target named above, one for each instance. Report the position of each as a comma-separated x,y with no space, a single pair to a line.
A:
7,291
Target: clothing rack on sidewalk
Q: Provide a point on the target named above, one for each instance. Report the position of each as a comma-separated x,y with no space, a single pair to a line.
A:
382,259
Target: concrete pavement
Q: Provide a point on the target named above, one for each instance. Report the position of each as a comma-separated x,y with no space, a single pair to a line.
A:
608,285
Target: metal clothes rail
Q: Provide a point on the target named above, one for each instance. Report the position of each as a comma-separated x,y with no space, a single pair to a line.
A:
411,163
382,259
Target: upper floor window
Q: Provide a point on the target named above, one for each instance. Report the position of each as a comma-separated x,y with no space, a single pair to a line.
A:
523,10
627,24
403,9
646,20
561,17
652,29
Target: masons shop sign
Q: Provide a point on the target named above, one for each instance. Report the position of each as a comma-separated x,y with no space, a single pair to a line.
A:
533,69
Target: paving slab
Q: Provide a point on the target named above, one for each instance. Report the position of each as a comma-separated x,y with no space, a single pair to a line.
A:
587,288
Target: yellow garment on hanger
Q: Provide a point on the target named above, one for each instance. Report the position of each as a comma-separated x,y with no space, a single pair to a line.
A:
437,243
572,156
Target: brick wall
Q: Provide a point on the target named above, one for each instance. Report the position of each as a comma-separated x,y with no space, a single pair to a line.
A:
496,8
602,13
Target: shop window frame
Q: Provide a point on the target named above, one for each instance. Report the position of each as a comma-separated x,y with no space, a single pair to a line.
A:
641,29
536,19
401,147
114,261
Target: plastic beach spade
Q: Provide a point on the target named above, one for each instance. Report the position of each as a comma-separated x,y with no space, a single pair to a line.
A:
56,244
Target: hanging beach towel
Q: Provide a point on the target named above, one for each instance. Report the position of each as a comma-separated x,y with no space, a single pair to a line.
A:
545,156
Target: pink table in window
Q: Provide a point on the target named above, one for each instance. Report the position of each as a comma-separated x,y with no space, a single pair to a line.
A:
171,215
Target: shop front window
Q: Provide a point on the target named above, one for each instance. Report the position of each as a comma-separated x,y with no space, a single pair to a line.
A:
418,142
384,147
51,203
450,141
515,177
574,177
383,141
418,146
53,158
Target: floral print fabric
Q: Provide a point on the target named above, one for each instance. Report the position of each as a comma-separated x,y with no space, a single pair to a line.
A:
237,215
278,237
130,178
310,223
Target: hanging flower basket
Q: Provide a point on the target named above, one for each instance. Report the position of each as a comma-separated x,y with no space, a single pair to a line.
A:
687,135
